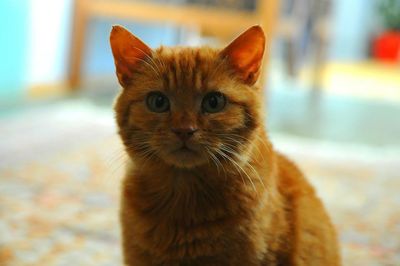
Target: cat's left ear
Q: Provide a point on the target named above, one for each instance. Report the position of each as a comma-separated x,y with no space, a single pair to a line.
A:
128,52
245,54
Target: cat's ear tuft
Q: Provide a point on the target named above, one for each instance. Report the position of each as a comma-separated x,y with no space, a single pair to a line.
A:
128,52
245,54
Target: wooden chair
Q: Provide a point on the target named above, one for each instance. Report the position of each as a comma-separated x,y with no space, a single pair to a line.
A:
220,22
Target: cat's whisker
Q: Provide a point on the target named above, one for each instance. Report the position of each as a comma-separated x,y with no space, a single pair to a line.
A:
217,67
213,158
231,137
239,143
114,167
142,150
256,174
145,154
237,169
248,165
241,170
216,158
148,64
115,155
237,155
219,162
148,157
236,145
150,58
162,64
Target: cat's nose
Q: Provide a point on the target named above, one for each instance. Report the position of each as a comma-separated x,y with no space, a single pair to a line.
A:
184,133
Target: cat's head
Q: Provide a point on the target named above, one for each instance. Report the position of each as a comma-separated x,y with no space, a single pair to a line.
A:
188,106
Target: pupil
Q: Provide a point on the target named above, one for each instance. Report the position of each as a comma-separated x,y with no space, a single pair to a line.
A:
213,102
159,101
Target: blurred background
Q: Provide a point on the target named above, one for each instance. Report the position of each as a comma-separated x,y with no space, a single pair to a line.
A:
332,89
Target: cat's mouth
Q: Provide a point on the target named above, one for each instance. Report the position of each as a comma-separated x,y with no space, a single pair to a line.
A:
185,150
184,156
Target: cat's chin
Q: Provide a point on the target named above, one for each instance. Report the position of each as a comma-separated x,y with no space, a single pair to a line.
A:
185,158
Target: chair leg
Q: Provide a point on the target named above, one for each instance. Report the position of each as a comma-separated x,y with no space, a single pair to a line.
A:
320,55
290,58
80,23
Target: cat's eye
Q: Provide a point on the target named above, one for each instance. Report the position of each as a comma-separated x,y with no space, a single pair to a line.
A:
213,102
157,102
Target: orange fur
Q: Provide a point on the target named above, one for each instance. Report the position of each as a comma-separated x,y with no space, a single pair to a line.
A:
229,199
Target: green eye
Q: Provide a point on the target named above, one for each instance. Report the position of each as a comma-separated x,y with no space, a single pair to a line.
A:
157,102
213,102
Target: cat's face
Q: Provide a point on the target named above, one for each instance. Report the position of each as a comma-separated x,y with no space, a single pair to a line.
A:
187,106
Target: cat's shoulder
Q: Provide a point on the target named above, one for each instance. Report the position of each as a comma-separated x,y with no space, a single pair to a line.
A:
291,180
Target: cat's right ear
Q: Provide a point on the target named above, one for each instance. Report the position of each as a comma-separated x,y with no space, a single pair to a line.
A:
128,52
245,54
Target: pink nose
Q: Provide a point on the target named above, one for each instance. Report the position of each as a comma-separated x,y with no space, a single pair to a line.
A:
184,133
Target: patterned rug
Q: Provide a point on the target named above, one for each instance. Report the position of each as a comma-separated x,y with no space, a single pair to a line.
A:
61,166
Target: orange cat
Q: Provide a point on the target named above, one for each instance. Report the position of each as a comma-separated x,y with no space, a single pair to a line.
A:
204,185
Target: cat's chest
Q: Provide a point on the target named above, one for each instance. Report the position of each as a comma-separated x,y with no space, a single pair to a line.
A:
184,219
180,198
188,197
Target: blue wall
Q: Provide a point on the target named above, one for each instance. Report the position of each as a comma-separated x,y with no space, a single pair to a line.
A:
13,47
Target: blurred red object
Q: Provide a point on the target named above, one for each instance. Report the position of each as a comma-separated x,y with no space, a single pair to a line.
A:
386,46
